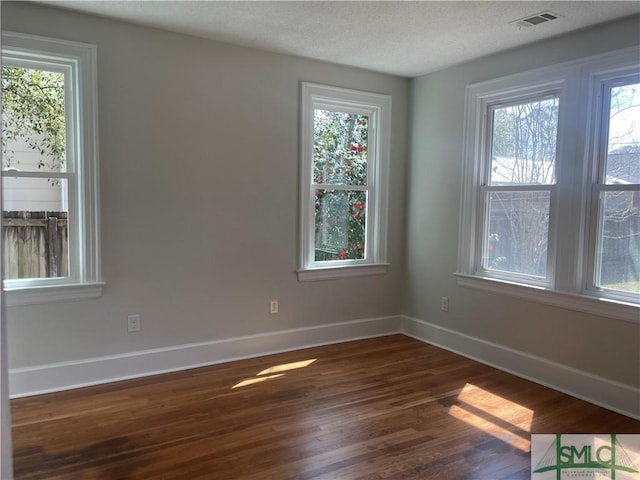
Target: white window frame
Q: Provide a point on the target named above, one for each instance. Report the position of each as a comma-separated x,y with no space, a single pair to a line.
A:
378,108
570,280
496,101
599,130
78,62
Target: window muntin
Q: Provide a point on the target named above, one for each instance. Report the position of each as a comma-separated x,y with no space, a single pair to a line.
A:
344,164
65,168
617,192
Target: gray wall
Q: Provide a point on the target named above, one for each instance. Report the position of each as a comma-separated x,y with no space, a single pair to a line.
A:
199,195
199,151
602,346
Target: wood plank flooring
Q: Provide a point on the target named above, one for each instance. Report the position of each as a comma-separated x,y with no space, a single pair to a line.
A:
383,408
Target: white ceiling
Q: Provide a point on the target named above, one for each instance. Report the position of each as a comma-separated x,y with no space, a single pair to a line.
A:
405,38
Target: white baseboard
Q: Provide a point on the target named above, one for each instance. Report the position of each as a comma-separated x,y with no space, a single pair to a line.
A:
39,379
609,394
92,371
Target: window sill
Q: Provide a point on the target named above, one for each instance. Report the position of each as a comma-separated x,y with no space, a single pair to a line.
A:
52,294
582,303
330,273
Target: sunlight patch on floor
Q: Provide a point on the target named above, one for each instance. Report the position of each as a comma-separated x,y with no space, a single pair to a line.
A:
495,415
287,366
273,372
250,381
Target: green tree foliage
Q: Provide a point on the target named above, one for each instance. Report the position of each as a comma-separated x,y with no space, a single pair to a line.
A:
340,159
34,111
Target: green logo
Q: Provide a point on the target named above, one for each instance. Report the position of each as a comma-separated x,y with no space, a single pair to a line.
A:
587,458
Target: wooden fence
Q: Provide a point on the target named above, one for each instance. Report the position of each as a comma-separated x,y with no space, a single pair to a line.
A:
35,244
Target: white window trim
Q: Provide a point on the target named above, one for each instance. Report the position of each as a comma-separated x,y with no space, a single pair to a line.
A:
86,281
576,81
597,176
531,93
378,107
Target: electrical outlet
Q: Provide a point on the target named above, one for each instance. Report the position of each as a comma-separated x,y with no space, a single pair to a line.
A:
133,323
273,306
444,304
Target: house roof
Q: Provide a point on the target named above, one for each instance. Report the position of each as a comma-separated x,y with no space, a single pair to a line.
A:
623,168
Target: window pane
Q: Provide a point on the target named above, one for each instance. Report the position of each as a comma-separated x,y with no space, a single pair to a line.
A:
340,220
618,253
517,232
340,142
35,235
523,143
623,147
34,131
34,194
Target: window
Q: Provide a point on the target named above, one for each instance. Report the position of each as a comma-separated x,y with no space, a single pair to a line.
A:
344,168
517,189
551,186
616,191
49,170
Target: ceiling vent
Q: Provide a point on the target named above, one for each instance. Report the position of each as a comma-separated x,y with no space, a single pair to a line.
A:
537,19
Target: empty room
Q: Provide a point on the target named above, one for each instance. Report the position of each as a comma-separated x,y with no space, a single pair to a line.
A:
320,240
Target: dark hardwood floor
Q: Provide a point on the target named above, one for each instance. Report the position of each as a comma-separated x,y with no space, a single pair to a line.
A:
383,408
